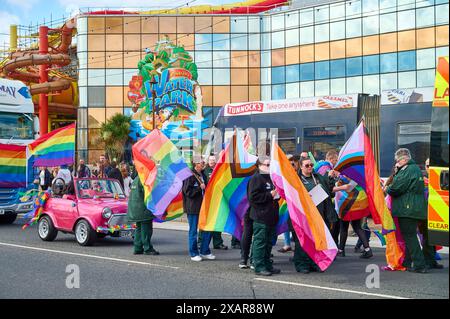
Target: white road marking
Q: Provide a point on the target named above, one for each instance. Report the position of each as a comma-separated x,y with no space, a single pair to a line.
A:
329,288
88,256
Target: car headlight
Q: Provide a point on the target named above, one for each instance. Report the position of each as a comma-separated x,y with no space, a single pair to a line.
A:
107,212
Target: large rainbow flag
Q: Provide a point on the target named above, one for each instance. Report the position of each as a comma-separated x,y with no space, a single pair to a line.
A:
307,222
55,148
225,202
13,166
357,162
351,205
173,211
161,169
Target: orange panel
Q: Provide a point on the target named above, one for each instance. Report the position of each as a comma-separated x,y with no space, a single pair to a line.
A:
132,42
96,60
203,25
407,40
96,25
114,25
388,42
371,45
239,76
307,53
425,38
239,94
337,49
96,42
114,42
221,24
254,76
167,25
186,40
254,59
131,59
114,96
114,60
126,101
278,57
185,25
254,93
207,95
132,25
354,47
239,59
221,95
111,112
149,41
322,51
150,25
293,55
442,35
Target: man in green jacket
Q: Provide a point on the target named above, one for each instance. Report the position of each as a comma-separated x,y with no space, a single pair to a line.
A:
409,206
139,214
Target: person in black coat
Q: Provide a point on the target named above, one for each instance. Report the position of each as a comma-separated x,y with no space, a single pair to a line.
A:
116,174
193,192
264,211
45,178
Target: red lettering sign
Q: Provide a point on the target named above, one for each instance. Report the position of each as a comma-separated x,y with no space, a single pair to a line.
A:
245,108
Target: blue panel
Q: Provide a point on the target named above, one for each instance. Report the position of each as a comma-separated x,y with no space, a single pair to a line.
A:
407,60
292,73
278,75
307,72
322,70
371,64
388,62
337,68
278,92
354,66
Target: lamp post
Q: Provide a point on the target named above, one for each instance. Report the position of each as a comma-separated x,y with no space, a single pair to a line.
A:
152,83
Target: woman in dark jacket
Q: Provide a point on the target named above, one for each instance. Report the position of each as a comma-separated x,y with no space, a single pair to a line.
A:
264,210
193,192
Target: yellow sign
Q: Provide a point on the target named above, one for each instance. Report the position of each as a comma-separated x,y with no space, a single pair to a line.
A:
441,84
438,202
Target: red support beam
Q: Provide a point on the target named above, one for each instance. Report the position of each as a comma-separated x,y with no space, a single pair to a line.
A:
43,78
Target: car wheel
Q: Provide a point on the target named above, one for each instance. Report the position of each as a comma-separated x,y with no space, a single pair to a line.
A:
8,219
84,233
46,229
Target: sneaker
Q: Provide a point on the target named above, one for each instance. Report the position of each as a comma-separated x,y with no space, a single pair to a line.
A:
209,257
152,252
275,271
366,254
341,253
243,265
196,258
222,247
263,273
252,267
285,249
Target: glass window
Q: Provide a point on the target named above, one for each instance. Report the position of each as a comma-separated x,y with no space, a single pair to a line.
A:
337,30
425,78
83,96
254,42
322,32
114,76
221,42
292,38
278,92
238,24
306,17
291,20
406,20
388,22
239,41
292,73
337,11
266,92
442,14
292,90
203,59
278,75
407,60
322,88
205,76
322,70
306,35
266,24
221,77
406,4
221,59
353,9
425,17
82,77
320,140
265,41
424,3
278,40
307,89
354,66
278,22
337,86
203,41
388,6
82,26
388,62
254,24
96,77
354,85
407,80
96,96
337,68
371,84
266,59
415,137
15,125
442,51
82,41
441,1
353,28
371,64
370,25
426,59
306,71
266,76
128,75
388,81
322,14
370,6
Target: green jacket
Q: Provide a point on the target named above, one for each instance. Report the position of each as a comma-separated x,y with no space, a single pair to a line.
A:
137,211
407,191
208,172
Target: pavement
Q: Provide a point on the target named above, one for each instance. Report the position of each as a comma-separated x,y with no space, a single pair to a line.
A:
31,268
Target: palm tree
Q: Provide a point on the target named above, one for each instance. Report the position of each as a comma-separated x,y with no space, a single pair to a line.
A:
114,133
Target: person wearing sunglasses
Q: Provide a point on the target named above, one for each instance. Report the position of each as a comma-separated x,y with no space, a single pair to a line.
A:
263,199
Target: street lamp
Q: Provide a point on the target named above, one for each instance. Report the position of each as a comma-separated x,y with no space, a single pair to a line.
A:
153,82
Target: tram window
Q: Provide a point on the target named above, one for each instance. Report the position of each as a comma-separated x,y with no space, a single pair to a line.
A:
286,137
319,140
416,138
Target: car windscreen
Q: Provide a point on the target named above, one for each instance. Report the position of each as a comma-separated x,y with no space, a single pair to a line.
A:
99,189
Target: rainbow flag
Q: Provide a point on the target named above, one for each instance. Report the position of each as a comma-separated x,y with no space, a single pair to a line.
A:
308,224
357,162
55,148
173,211
161,169
322,167
351,205
225,202
282,225
13,166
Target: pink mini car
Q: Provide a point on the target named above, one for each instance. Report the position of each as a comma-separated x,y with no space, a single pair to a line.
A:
97,209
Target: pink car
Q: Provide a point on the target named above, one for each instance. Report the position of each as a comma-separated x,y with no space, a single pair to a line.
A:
97,209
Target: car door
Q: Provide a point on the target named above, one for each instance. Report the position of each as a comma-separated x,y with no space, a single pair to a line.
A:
66,212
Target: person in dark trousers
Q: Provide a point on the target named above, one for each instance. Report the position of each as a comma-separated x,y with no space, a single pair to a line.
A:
216,236
193,191
139,214
246,242
409,206
264,210
116,174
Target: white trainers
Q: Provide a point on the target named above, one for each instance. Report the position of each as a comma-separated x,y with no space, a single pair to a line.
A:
196,258
209,257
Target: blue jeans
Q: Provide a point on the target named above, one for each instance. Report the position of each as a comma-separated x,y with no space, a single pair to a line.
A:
193,232
287,238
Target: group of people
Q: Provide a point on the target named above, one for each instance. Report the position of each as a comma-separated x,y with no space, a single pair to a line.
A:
406,186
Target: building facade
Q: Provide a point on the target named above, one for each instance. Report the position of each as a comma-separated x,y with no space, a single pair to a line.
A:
337,47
